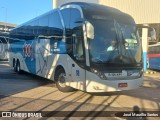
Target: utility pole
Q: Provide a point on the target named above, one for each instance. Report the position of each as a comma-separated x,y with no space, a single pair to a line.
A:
145,46
55,4
5,18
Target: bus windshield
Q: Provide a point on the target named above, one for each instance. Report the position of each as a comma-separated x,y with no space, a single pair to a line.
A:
114,42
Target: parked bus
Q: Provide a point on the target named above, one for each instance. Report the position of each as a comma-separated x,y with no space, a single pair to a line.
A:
153,59
3,47
84,46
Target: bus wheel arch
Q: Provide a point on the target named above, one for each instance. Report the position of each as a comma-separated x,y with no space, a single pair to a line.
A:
60,78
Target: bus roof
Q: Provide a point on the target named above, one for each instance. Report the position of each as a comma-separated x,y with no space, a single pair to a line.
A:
92,6
109,11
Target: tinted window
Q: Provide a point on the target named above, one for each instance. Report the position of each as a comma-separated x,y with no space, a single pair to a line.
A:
78,43
19,30
66,17
55,21
27,28
75,16
43,21
43,25
24,32
32,31
77,32
55,25
36,27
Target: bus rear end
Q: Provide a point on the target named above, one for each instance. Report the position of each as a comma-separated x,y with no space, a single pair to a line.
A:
154,57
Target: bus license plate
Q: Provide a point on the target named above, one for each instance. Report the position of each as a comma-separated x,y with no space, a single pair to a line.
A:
122,85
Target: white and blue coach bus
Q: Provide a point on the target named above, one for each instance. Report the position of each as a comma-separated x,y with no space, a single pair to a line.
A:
84,46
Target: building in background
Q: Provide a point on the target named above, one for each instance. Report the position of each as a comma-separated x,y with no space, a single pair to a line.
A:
4,30
144,12
6,27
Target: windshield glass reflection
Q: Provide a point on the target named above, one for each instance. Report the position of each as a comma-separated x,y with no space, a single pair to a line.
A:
114,42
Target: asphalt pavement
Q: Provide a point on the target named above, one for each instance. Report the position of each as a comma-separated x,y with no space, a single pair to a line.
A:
26,92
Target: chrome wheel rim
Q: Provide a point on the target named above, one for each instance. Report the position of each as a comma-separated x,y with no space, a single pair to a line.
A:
62,80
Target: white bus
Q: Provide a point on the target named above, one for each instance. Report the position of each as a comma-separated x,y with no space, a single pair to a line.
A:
80,46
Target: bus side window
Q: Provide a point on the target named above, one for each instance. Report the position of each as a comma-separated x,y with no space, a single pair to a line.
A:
43,25
55,26
66,19
36,27
25,32
55,30
77,34
78,52
75,16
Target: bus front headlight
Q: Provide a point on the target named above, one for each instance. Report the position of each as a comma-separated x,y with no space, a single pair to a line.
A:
100,74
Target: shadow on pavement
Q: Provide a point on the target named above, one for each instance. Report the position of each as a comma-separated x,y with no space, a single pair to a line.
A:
13,83
75,101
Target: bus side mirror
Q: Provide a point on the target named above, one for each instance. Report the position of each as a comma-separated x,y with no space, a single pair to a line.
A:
89,30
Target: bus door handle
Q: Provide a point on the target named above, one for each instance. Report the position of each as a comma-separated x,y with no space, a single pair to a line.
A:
73,65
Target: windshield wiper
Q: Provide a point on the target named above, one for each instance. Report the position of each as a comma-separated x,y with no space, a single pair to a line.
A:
120,36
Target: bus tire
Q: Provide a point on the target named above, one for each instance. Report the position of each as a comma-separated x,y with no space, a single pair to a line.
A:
18,67
14,65
60,81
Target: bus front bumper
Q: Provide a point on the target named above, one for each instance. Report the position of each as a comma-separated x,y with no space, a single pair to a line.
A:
95,84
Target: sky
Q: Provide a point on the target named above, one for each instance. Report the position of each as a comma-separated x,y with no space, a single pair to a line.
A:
20,11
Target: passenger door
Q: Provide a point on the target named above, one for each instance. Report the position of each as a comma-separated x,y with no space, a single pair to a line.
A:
78,65
76,62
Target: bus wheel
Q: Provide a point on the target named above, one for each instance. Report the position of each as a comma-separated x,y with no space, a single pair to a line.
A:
60,79
18,67
14,66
